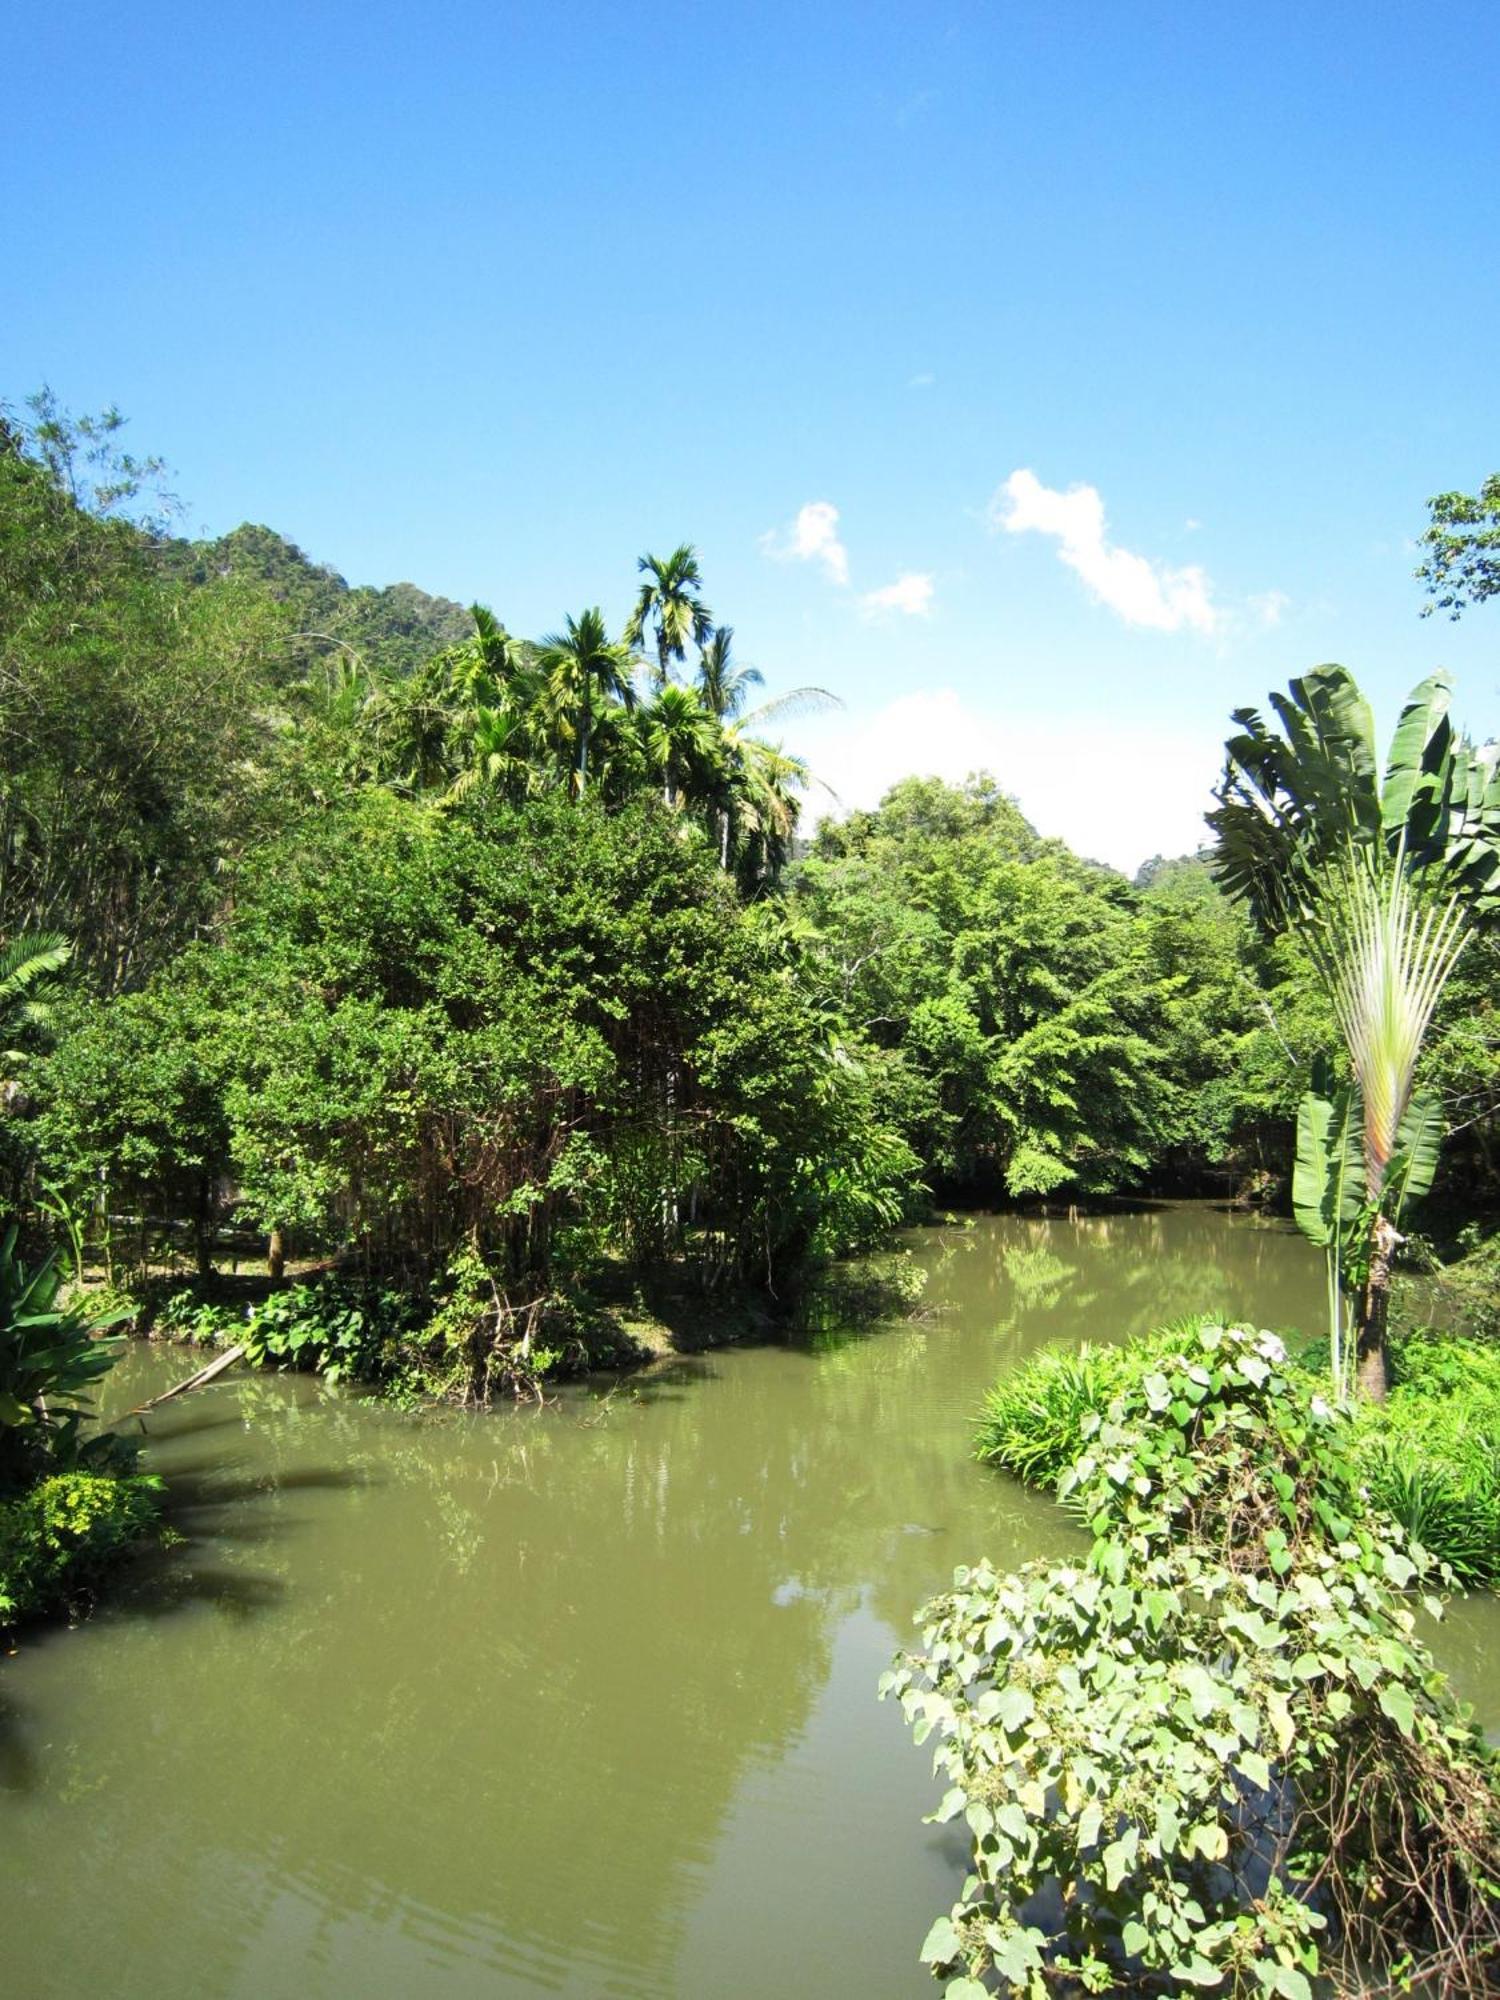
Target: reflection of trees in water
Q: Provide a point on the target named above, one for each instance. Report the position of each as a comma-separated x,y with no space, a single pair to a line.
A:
1107,1277
510,1673
487,1687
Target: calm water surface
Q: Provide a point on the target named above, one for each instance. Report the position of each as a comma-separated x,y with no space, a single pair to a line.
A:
577,1702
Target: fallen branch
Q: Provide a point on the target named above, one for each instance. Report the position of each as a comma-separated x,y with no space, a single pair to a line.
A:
215,1368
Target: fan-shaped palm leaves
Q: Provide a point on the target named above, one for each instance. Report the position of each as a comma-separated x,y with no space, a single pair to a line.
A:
669,600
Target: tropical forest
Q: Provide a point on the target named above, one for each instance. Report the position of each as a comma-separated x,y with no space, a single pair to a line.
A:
716,1279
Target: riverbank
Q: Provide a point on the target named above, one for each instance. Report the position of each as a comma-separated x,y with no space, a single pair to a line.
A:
1429,1457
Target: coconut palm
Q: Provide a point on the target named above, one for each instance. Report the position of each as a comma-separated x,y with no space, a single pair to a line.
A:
584,670
669,601
1382,879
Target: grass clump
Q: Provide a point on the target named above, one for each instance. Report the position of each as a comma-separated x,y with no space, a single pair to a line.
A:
1430,1455
1032,1423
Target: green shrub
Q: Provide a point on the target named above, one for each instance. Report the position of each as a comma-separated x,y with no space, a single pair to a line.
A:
49,1356
1032,1421
1429,1456
1213,1755
57,1538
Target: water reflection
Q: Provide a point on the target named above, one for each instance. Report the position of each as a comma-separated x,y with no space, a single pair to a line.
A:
576,1701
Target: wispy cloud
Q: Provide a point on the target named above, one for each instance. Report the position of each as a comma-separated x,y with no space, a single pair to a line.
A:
812,537
924,380
1269,606
1136,589
910,594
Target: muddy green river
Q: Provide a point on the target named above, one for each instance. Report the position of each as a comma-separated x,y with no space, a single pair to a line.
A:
576,1701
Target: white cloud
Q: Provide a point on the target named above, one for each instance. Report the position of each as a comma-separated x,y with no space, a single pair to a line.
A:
923,381
812,537
1269,606
1136,589
1067,784
911,593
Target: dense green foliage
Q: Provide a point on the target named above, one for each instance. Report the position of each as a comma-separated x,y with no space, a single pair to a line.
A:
59,1536
1384,880
479,967
1429,1455
70,1499
1048,1027
1218,1734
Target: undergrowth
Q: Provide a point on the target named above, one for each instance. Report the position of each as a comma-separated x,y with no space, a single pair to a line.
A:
58,1537
1429,1457
1212,1756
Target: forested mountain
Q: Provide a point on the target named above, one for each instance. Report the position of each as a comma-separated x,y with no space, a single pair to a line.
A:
392,629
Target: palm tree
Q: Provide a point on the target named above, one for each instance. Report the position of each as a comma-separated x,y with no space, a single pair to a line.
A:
682,744
668,599
584,672
722,685
1382,881
29,969
760,801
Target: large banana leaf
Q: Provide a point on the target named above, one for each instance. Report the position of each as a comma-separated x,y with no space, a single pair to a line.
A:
1413,795
1419,1140
1328,1176
1291,801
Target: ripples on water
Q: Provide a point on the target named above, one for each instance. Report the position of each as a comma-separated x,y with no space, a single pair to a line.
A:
575,1702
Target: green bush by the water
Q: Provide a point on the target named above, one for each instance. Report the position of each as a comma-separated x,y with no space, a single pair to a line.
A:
58,1537
1218,1733
1429,1457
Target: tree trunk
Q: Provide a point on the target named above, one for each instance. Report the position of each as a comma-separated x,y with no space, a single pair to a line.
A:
1374,1308
203,1229
276,1255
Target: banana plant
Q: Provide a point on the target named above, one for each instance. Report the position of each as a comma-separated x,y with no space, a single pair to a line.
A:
49,1356
1384,878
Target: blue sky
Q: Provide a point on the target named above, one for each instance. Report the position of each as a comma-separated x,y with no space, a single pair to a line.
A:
857,298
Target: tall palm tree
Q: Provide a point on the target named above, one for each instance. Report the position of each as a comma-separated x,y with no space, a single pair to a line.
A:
584,671
766,806
1382,880
722,683
669,600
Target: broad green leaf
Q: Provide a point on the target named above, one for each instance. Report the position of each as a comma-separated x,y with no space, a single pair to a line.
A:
1419,1141
941,1944
1396,1702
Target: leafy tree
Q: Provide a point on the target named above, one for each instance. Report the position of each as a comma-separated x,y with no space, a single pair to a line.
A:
1462,540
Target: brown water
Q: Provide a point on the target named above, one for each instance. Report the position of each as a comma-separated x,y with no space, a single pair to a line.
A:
578,1701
